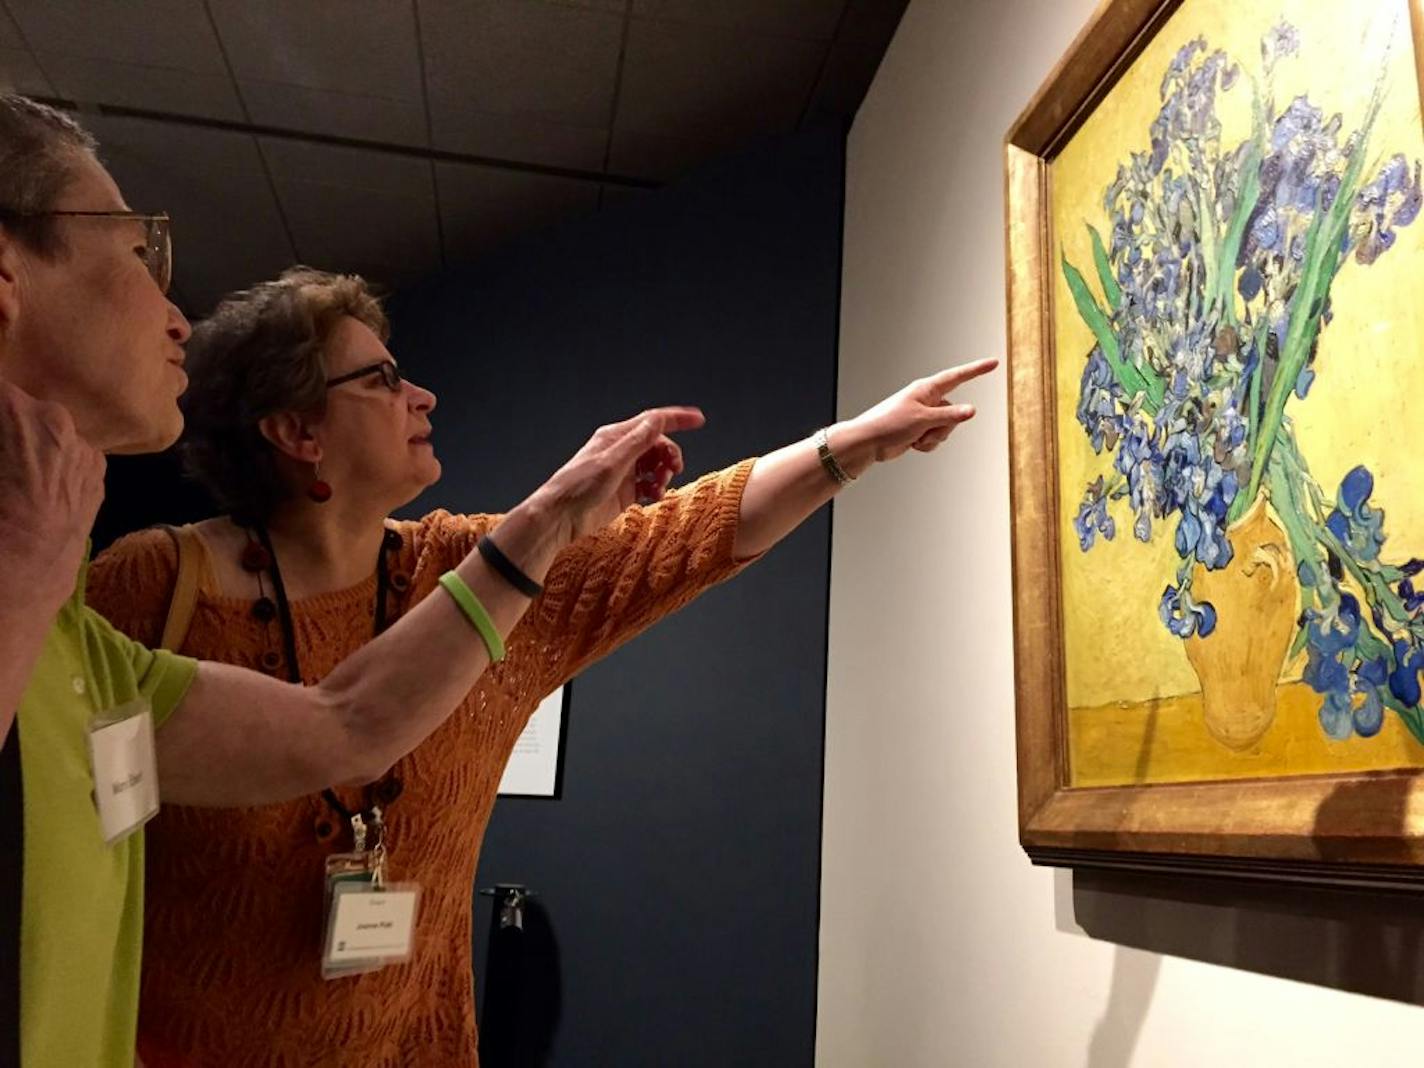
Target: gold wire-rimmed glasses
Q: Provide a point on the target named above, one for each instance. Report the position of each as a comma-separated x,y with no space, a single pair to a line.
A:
158,236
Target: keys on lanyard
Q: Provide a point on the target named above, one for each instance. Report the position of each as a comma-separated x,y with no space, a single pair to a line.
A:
370,923
376,855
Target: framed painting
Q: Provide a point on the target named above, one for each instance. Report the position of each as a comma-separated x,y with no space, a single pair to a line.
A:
1216,320
536,766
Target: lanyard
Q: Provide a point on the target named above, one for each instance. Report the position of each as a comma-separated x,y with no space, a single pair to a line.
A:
388,788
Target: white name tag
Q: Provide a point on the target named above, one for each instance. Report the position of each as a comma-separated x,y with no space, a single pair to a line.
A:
371,926
125,769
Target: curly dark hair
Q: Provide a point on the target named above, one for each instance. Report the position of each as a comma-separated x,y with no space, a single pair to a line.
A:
260,353
39,147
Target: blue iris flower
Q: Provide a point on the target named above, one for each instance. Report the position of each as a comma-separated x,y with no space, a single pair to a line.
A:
1404,679
1183,616
1093,519
1369,716
1335,715
1356,487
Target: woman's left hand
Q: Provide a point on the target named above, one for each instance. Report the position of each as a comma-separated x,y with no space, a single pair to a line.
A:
920,416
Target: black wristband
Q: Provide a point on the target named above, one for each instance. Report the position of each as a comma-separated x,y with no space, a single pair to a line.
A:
507,569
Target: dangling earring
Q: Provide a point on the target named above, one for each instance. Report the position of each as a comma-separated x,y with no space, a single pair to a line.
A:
319,490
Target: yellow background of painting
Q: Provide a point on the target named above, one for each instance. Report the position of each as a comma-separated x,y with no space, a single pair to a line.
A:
1121,661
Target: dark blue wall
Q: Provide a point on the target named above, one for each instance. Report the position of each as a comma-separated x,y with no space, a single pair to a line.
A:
680,871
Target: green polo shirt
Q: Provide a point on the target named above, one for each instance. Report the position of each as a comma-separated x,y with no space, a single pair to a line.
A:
81,920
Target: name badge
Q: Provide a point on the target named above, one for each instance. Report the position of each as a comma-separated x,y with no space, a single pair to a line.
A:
369,926
125,769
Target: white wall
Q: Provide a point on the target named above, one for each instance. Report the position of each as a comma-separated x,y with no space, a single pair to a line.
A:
939,942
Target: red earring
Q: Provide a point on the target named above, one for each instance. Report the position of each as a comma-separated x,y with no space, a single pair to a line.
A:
319,490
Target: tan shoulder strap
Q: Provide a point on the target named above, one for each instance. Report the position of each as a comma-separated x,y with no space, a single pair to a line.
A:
185,588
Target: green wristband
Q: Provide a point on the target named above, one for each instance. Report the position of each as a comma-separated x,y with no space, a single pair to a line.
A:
475,613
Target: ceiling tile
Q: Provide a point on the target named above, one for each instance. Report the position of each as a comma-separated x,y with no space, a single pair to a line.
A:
9,32
874,21
159,33
355,209
701,83
458,126
643,155
849,70
205,179
166,89
296,160
20,74
541,61
481,207
812,20
855,56
366,118
362,47
617,7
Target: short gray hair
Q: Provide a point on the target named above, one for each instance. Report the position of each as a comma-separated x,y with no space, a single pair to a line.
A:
39,147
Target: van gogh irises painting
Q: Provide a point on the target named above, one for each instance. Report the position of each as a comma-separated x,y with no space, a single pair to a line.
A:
1217,352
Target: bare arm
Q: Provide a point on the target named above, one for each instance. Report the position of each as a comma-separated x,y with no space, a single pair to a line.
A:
788,485
241,738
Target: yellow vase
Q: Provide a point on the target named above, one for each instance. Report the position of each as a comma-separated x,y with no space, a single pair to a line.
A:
1257,602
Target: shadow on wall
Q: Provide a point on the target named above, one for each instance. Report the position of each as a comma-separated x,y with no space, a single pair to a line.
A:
1134,979
1361,942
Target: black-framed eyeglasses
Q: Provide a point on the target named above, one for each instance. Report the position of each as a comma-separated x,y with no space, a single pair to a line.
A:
389,372
157,243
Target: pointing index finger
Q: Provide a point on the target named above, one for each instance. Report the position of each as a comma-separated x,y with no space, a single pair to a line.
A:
954,377
671,419
651,425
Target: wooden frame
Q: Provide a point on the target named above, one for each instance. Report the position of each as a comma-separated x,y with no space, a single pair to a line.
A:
1355,829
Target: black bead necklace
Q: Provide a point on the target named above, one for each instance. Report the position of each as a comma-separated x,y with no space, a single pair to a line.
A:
260,559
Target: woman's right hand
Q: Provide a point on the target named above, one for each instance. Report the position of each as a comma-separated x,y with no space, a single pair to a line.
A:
621,465
51,485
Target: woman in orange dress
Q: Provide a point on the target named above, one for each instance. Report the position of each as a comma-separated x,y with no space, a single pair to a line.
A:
303,429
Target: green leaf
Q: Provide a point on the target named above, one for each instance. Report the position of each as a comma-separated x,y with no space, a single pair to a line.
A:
1322,259
1206,235
1299,335
1250,195
1236,231
1288,508
1111,289
1253,419
1127,375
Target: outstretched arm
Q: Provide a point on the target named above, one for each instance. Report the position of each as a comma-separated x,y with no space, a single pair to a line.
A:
788,485
241,738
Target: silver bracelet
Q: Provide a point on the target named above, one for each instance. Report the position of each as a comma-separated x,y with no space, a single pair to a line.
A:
833,468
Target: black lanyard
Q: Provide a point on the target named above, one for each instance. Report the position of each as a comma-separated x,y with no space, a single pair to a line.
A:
388,788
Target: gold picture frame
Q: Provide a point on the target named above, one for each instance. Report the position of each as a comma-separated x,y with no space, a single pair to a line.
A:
1357,828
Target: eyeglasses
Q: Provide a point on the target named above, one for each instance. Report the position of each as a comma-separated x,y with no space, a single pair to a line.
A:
389,372
158,236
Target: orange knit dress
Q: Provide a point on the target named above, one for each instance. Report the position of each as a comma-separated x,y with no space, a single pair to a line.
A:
234,910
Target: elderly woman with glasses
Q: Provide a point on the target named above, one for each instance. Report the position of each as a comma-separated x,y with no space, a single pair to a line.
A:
307,435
